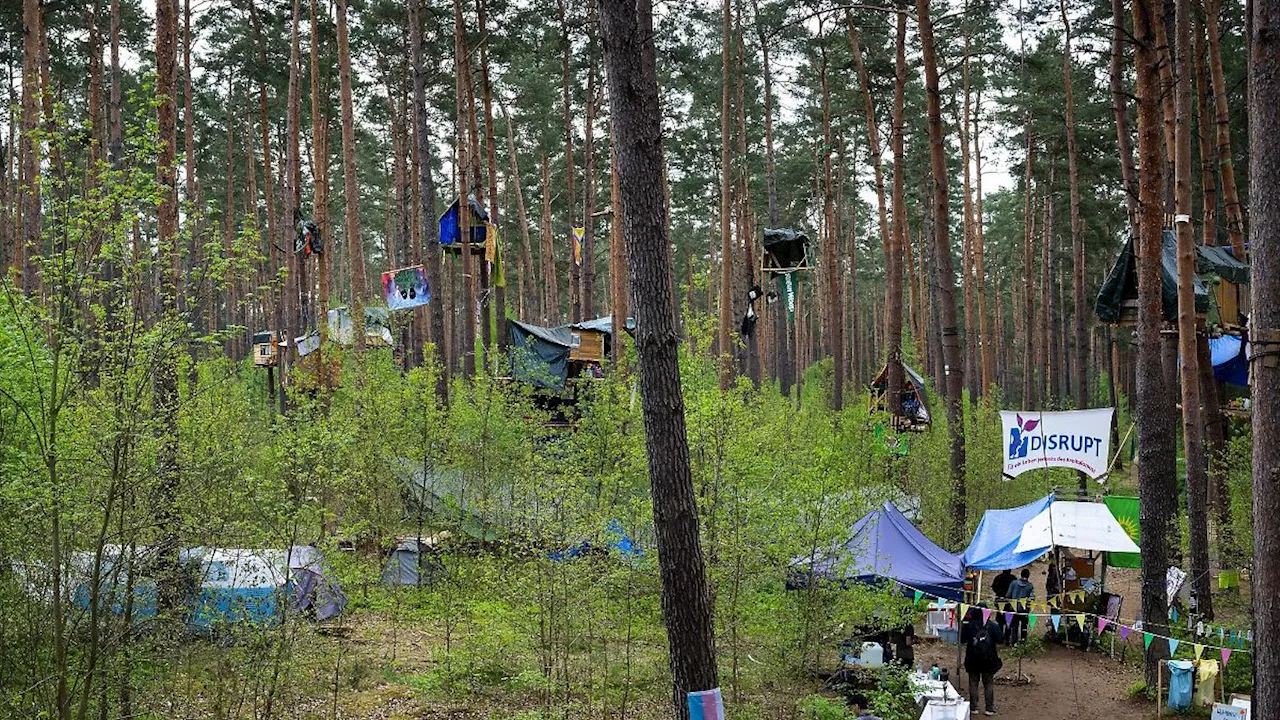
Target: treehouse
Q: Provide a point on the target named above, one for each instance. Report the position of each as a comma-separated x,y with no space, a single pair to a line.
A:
1227,279
785,251
1117,301
915,400
266,348
477,227
558,361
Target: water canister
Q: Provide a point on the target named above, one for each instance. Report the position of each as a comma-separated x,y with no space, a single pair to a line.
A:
872,655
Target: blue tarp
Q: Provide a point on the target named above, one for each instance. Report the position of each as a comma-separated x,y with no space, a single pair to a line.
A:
885,545
997,536
1229,363
616,540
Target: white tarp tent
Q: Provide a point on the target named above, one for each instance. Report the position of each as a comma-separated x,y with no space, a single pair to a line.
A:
1080,525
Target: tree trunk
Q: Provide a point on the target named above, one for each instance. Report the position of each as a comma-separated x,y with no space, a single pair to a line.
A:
1157,483
566,81
1080,313
985,340
725,310
351,187
1264,181
1028,269
320,200
491,159
290,325
974,340
617,259
627,30
430,254
1192,422
462,74
833,328
946,276
899,244
29,150
1120,108
550,284
166,378
1230,195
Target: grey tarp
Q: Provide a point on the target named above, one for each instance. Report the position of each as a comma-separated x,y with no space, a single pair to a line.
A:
1122,283
1219,261
539,355
785,248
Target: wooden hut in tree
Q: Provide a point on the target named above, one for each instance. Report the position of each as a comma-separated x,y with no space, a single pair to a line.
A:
915,399
1117,301
477,228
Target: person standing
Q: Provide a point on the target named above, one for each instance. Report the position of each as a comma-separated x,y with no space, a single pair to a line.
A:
982,658
1021,591
1000,586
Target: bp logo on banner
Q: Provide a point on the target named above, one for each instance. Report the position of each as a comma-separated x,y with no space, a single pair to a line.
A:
1077,439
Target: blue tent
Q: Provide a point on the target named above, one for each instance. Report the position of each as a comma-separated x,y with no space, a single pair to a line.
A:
885,545
993,544
616,540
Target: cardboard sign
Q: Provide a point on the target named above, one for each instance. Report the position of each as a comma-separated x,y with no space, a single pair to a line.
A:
1077,439
1228,712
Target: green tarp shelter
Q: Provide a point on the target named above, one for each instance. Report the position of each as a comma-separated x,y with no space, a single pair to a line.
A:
1218,260
1122,283
540,355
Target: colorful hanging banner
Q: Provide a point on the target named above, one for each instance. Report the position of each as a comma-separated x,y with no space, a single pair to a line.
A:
1031,621
578,232
1146,640
405,288
1173,647
1125,510
1102,624
986,616
1080,621
1076,439
1199,650
1056,620
919,594
1226,655
1124,632
1008,619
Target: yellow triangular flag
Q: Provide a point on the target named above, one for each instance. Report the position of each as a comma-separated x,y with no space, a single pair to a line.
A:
1199,650
1080,620
964,610
1053,601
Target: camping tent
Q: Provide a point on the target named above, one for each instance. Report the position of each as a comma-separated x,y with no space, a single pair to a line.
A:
240,585
616,540
884,544
1080,525
992,547
231,585
915,397
411,563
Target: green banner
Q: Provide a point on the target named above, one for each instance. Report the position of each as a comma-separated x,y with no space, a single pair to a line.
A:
788,287
1126,511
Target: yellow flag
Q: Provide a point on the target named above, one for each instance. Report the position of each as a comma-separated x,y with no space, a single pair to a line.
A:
1080,619
964,610
1199,650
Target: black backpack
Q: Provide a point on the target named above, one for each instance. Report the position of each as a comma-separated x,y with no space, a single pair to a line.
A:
982,649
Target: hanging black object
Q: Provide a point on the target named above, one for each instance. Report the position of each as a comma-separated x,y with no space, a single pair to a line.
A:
308,240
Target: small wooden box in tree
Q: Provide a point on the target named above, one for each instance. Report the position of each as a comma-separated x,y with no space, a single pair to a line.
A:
266,349
588,346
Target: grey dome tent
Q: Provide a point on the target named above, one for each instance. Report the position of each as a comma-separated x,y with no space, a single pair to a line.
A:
411,563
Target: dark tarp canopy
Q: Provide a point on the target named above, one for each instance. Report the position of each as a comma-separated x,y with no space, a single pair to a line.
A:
916,408
785,248
1122,283
1219,261
540,355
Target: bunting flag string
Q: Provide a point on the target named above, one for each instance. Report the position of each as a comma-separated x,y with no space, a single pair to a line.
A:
1233,640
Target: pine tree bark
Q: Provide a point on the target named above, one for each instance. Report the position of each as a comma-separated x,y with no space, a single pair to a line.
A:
974,339
724,348
566,81
833,328
1157,488
1120,108
320,201
1264,231
946,310
462,74
1230,194
985,340
430,254
527,280
29,146
627,30
1080,313
899,244
351,187
491,161
550,283
1028,268
587,275
1192,421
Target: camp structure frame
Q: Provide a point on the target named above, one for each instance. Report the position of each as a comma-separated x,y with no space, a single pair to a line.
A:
915,400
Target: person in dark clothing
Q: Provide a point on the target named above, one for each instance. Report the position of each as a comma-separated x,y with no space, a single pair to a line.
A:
1052,583
981,658
861,707
904,641
1021,591
1000,586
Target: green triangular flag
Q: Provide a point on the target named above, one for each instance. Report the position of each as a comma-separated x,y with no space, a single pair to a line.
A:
919,594
1031,621
1146,639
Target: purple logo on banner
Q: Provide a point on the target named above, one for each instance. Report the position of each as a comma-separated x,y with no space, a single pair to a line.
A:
706,705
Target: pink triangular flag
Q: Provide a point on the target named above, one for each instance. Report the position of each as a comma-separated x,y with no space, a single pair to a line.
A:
1226,655
1008,618
986,615
1124,632
1102,624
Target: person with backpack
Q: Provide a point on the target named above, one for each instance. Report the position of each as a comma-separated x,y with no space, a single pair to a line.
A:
981,659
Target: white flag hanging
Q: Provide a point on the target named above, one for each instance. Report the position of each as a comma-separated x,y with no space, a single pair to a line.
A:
1076,439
